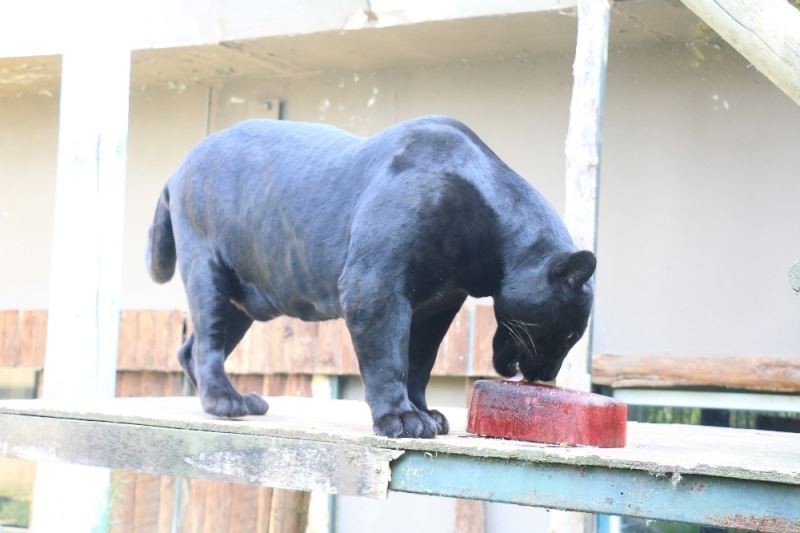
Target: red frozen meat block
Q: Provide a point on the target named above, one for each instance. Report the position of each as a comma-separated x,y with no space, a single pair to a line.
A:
543,413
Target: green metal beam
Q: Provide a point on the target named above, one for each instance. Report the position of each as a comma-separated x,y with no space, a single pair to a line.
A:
736,503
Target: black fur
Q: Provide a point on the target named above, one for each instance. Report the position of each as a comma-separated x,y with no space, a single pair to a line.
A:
391,232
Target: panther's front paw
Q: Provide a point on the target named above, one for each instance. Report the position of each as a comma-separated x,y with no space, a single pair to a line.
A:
231,404
442,426
410,423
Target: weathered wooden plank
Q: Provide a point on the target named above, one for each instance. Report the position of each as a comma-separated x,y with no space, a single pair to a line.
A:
123,482
10,338
149,341
244,509
128,338
469,516
264,508
275,462
33,338
765,32
172,340
123,489
143,502
289,511
166,507
288,508
454,351
331,351
652,448
217,510
485,327
147,502
695,473
195,511
772,374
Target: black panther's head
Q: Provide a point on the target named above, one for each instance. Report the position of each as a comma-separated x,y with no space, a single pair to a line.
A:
541,312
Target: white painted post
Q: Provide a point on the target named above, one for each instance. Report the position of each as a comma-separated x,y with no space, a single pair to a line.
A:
321,505
582,150
86,264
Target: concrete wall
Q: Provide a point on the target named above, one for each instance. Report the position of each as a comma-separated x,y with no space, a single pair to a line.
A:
697,222
698,217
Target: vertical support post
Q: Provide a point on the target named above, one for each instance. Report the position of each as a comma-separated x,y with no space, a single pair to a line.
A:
86,263
582,150
321,506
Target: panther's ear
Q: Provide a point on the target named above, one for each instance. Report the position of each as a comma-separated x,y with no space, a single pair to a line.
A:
575,269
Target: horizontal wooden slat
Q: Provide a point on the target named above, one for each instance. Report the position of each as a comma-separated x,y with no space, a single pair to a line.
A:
149,340
485,326
22,337
773,374
453,356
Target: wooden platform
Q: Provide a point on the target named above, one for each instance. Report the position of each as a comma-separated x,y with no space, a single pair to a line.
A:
717,476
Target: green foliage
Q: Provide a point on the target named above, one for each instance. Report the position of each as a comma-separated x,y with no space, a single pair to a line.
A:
14,512
664,415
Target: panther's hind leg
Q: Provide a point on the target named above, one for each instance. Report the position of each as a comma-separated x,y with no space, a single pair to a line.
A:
218,327
236,325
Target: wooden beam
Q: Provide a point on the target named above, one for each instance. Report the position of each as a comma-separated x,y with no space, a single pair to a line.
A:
688,473
768,374
297,421
187,23
86,263
765,32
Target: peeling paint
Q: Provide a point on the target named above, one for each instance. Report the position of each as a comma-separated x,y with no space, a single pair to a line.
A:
774,524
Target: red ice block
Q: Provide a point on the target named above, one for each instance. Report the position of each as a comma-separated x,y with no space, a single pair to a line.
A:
543,413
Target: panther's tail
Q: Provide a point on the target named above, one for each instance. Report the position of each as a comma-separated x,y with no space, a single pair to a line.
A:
160,255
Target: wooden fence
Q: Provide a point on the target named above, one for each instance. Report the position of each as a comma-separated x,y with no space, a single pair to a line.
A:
149,339
274,358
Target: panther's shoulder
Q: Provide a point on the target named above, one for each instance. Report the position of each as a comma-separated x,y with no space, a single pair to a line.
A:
432,142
